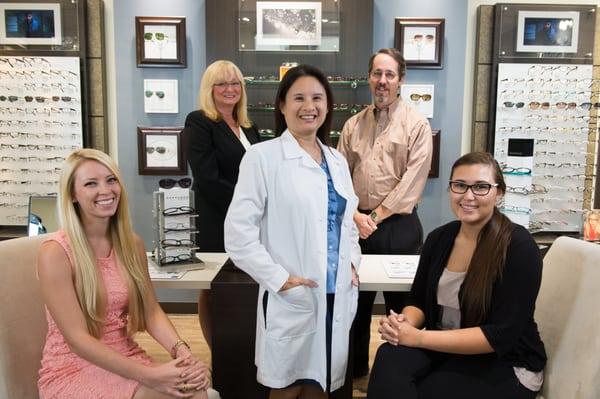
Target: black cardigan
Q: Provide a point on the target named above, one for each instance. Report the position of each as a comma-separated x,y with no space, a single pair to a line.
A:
214,154
509,327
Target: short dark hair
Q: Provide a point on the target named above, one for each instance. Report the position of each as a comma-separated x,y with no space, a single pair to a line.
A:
284,86
396,55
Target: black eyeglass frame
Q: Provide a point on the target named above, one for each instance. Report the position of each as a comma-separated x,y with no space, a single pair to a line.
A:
470,186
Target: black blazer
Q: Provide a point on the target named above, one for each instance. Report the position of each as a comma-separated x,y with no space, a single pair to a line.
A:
214,154
510,328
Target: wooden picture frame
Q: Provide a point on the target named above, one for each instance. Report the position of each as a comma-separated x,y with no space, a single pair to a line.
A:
421,41
435,156
160,42
161,151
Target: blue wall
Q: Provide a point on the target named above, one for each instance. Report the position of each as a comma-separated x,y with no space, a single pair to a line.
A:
130,98
449,83
449,88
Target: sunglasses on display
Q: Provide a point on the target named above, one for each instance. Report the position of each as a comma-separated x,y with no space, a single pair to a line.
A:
158,150
480,189
509,104
159,94
588,106
417,97
12,99
419,37
170,183
157,36
537,105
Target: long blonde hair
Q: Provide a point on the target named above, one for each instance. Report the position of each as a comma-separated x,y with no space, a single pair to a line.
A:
88,283
220,71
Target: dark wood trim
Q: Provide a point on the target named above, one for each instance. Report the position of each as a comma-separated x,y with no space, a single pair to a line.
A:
142,61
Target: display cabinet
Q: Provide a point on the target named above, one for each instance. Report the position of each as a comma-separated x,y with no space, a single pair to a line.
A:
351,95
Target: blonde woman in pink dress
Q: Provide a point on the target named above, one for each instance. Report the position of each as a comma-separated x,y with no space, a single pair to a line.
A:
95,283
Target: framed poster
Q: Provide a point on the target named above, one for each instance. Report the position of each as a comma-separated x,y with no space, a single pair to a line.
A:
420,41
161,96
288,23
30,23
547,31
419,97
160,42
160,151
591,225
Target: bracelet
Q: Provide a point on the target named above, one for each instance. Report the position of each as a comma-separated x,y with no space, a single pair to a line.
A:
176,346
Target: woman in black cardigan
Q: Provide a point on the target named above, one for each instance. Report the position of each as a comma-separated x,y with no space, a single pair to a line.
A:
468,330
217,135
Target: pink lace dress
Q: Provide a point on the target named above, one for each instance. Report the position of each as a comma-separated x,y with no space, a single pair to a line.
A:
65,375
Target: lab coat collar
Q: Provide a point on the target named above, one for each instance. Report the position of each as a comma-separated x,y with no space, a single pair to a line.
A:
291,150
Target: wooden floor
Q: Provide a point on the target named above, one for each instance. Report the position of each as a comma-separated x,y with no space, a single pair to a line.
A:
189,330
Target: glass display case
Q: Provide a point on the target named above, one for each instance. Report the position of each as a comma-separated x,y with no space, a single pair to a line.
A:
289,25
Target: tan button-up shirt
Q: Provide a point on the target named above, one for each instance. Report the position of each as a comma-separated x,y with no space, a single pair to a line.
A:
389,155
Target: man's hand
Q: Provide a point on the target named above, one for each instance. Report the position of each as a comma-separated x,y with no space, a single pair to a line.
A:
365,225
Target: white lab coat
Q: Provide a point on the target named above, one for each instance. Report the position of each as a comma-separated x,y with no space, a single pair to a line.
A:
276,226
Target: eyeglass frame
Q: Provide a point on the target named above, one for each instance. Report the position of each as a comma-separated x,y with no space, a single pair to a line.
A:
470,186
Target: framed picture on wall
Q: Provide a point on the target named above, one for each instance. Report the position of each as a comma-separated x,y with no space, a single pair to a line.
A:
30,24
288,23
160,151
161,96
547,31
160,42
419,97
421,41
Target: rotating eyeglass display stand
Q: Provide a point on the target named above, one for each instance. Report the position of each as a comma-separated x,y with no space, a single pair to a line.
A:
175,228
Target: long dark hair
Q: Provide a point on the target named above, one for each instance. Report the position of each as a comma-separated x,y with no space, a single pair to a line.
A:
487,263
284,86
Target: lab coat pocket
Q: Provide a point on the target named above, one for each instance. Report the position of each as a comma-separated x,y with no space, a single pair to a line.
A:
291,313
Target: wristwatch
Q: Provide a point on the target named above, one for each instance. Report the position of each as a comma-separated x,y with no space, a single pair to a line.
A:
374,217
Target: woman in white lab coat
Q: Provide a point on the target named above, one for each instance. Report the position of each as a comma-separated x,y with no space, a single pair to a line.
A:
290,227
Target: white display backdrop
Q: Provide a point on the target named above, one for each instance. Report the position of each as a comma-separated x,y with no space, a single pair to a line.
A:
549,108
40,124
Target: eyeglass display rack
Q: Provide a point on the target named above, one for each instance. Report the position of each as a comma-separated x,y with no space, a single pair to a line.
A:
546,139
350,94
40,124
175,228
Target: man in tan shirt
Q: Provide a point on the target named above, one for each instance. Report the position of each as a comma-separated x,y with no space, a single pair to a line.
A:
388,146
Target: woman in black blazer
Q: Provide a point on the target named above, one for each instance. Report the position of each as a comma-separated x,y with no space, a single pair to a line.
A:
218,135
468,330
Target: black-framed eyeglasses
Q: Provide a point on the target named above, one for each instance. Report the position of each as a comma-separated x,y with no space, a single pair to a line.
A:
172,242
170,183
176,258
460,187
179,210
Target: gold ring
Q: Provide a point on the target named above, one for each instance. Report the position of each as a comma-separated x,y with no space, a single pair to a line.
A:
183,388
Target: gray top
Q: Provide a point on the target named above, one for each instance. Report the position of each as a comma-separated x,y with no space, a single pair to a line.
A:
447,299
